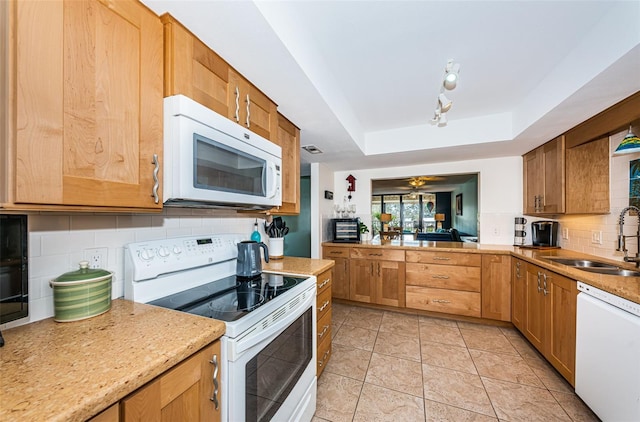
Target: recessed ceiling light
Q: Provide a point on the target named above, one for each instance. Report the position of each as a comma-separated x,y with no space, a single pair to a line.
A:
311,149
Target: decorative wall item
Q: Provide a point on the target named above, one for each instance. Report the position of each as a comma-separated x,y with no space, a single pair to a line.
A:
634,183
459,204
351,185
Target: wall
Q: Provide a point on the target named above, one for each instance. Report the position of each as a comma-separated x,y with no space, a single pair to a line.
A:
581,227
298,241
57,243
468,221
499,191
322,178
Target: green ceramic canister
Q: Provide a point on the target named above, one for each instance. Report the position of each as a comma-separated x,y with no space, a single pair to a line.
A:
81,294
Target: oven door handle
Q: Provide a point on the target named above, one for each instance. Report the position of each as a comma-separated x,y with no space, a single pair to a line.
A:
250,339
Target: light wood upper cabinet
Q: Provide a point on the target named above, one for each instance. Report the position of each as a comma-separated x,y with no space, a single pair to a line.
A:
544,173
183,393
86,117
588,177
289,140
249,107
193,69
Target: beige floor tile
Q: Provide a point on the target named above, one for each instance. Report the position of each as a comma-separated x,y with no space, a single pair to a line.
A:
504,367
406,325
317,419
548,375
575,407
357,337
381,404
479,327
523,347
394,373
437,321
447,356
348,361
337,397
440,412
398,345
492,342
441,334
517,402
510,332
334,329
459,389
339,313
364,318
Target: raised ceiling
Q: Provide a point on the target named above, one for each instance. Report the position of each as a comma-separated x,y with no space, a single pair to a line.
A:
360,78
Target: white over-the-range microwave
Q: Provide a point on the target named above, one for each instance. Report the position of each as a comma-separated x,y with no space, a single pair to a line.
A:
211,161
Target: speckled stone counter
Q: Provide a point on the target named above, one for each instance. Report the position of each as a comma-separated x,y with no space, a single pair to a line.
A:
626,287
71,371
295,265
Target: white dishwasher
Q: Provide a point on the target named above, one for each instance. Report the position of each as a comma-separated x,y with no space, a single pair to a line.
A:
608,354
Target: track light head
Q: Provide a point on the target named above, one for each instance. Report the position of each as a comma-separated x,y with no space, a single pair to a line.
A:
445,103
451,75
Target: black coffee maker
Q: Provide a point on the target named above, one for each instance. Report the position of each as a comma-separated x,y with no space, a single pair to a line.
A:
249,264
544,233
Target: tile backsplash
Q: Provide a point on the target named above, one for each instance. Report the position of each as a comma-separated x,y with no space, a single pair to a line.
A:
57,243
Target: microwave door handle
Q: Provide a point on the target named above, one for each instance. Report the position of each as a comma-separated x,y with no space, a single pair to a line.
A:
271,171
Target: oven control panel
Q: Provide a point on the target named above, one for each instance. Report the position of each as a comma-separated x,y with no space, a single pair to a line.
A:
152,258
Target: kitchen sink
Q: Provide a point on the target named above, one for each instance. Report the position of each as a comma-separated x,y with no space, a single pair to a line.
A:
583,263
612,271
598,267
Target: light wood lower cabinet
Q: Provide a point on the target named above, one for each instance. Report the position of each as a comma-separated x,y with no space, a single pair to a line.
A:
340,283
183,393
518,292
444,282
548,312
377,276
496,287
323,319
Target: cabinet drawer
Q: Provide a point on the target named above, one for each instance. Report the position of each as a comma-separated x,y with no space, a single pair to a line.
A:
444,276
324,353
329,252
443,300
446,258
323,327
323,303
378,254
324,281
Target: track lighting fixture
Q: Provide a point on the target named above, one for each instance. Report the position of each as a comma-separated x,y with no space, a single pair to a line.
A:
449,82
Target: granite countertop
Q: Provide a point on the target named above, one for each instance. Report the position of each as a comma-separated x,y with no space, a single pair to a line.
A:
296,265
625,287
71,371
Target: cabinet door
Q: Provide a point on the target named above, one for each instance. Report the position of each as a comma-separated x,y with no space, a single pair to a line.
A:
588,177
193,69
535,312
183,393
289,140
362,281
496,287
562,295
532,187
390,283
553,176
340,282
249,107
89,126
518,293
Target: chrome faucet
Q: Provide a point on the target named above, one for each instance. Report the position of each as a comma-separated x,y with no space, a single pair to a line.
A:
622,246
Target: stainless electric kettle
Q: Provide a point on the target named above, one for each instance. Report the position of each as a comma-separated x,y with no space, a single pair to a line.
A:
249,263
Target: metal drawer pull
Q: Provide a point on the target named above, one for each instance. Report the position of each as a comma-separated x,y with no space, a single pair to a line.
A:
237,105
442,277
539,287
336,252
375,254
324,305
324,331
214,398
156,182
321,361
544,283
248,111
324,283
437,258
440,301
